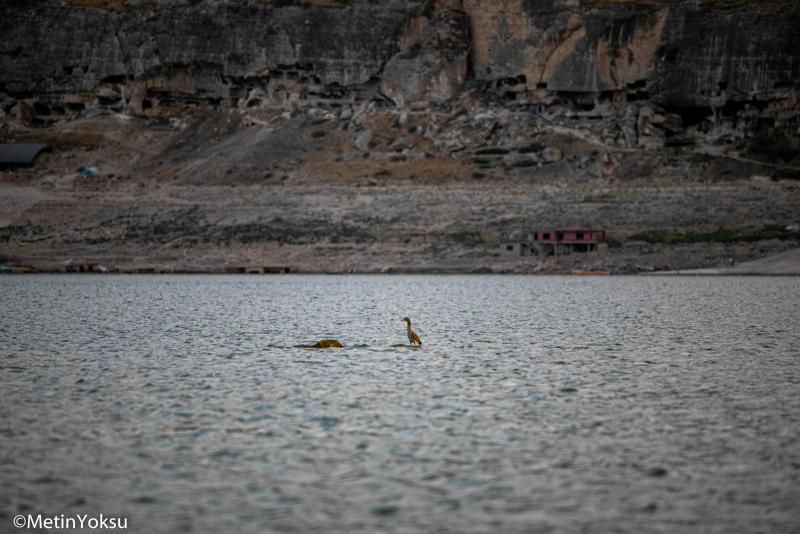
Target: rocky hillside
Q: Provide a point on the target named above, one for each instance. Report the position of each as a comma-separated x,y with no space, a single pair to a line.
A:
363,135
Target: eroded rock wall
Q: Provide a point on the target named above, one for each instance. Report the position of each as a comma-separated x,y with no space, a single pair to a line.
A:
656,69
685,49
208,52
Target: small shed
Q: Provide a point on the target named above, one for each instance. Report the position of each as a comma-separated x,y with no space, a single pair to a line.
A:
514,248
20,155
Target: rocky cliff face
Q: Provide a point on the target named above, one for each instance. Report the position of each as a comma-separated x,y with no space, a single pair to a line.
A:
147,60
720,66
363,135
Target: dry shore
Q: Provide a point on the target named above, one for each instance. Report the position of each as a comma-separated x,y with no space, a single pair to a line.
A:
220,193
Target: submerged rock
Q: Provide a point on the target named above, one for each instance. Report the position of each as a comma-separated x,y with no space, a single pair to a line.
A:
656,472
385,510
327,344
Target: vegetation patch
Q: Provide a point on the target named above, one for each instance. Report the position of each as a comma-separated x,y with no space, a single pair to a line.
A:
531,149
310,3
524,163
721,235
124,5
720,3
496,151
111,5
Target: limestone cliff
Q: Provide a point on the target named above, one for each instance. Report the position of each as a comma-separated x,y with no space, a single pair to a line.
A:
719,63
216,53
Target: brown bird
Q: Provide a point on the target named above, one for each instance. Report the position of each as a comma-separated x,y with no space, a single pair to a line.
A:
413,338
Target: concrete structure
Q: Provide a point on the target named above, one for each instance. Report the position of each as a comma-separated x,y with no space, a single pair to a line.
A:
514,248
19,155
259,269
85,267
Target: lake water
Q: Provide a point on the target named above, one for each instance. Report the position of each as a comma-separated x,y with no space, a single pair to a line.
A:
537,404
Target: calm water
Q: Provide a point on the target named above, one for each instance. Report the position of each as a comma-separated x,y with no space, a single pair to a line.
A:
538,404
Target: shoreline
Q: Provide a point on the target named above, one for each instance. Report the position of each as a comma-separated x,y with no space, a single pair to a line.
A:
687,273
785,263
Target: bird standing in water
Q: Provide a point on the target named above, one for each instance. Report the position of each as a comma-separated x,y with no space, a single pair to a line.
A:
413,338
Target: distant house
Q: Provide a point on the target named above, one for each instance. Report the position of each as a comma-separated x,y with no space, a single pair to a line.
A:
561,241
19,155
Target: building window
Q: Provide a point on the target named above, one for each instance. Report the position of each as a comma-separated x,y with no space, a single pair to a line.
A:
579,235
509,247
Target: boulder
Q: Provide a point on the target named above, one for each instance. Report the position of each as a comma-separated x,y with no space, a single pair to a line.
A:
327,344
552,154
362,141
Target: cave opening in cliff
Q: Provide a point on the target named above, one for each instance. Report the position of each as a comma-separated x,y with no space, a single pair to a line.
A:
108,100
21,95
577,101
606,97
690,115
114,79
638,96
732,108
41,108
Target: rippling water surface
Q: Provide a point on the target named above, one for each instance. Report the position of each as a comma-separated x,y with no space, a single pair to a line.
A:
537,404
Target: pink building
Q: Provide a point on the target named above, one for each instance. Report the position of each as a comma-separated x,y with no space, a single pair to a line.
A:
567,240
